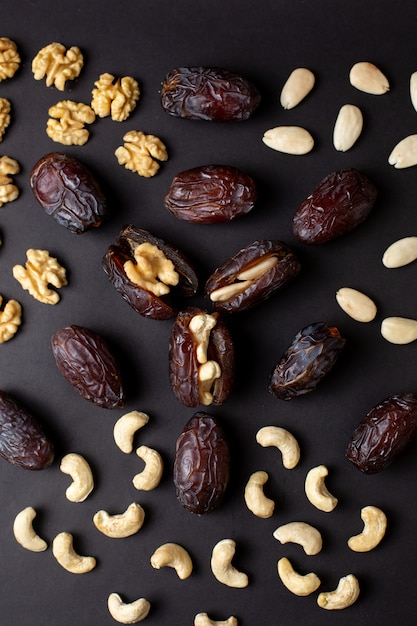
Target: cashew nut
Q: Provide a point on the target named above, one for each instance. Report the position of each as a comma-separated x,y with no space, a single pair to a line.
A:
151,475
346,593
283,440
127,613
24,532
317,492
255,499
301,533
375,525
126,427
297,583
83,483
202,619
63,551
122,525
175,556
221,565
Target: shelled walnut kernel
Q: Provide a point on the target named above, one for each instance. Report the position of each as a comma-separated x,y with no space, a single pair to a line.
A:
115,97
9,58
58,64
68,126
141,153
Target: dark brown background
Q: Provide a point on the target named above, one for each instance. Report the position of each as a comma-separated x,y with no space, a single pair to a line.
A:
264,41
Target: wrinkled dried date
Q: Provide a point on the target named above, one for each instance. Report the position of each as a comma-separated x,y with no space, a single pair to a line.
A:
211,94
141,299
22,440
252,275
340,202
68,192
196,379
202,464
84,359
309,358
210,194
384,433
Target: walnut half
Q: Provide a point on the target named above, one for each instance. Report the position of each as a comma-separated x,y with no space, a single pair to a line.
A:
141,153
8,191
10,319
68,126
114,97
4,116
57,64
9,58
41,271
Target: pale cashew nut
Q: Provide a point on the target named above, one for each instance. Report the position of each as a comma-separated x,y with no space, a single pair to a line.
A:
255,499
301,533
124,613
283,440
316,490
346,593
298,584
175,556
202,619
151,475
24,532
63,551
121,525
375,525
83,482
222,568
126,427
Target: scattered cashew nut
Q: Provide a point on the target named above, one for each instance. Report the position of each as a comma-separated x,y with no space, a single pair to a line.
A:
24,532
151,475
83,483
121,525
63,551
316,490
346,593
175,556
283,440
300,585
301,533
202,619
255,499
126,427
375,525
131,613
221,565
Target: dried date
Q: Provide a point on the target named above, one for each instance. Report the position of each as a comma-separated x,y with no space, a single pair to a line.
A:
85,360
22,440
311,355
68,192
202,464
207,93
340,202
210,194
383,433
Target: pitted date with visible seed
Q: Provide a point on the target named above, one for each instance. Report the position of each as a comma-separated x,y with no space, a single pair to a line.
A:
84,359
340,202
22,440
68,192
384,433
207,93
202,464
311,355
252,275
210,194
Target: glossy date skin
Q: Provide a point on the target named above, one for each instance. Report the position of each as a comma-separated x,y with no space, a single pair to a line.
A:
211,194
384,433
202,464
22,440
84,359
210,94
141,300
312,354
68,192
337,205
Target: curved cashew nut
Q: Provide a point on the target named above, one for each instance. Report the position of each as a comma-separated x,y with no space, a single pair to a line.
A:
24,532
375,525
151,475
221,565
83,483
63,551
346,593
122,525
125,428
301,533
297,583
175,556
283,440
255,499
131,613
316,490
202,619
